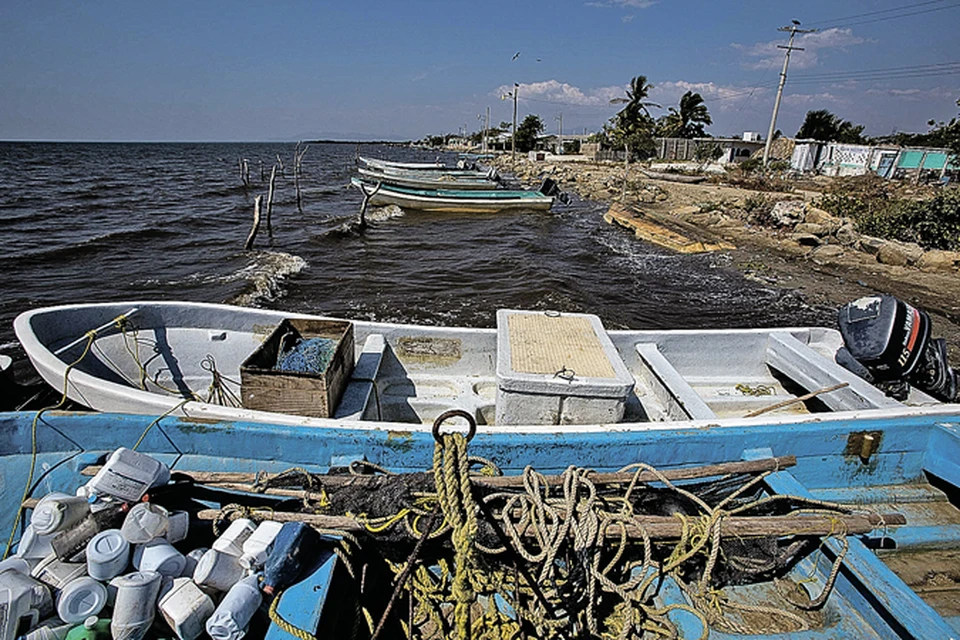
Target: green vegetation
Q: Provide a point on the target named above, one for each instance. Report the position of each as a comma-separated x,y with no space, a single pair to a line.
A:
632,128
527,132
824,126
942,134
688,121
933,223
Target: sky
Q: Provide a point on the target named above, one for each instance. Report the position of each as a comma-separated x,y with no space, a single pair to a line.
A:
239,70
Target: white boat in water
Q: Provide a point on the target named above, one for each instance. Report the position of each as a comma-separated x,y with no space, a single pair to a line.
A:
429,180
535,372
413,166
455,200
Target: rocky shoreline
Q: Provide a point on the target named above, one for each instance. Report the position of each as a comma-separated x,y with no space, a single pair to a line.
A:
789,242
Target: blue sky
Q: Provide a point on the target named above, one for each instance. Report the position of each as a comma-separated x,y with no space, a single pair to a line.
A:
235,71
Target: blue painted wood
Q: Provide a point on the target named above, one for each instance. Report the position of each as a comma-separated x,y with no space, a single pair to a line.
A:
942,456
906,612
302,604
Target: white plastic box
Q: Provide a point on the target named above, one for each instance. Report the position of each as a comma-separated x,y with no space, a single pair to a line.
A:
555,368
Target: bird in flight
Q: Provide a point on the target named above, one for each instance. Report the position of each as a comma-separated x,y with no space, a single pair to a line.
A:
515,56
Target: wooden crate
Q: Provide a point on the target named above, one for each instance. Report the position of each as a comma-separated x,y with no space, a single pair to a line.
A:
265,388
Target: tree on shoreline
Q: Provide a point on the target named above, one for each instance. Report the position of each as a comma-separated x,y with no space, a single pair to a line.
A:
824,126
527,132
688,121
632,127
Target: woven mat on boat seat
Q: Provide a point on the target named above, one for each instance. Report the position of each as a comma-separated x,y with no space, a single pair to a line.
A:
546,345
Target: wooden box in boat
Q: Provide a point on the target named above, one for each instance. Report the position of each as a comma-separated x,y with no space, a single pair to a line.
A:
266,388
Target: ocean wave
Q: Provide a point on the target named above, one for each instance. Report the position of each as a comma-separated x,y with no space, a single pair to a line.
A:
264,276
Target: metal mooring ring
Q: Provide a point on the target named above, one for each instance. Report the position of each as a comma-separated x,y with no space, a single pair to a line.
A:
453,413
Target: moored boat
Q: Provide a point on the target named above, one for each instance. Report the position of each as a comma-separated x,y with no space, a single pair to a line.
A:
884,566
455,200
536,372
429,180
379,163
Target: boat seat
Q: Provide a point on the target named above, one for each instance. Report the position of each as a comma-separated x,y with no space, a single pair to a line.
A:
812,371
356,396
669,387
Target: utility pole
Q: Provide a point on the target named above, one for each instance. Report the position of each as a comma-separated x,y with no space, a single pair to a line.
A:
486,132
513,142
560,135
783,80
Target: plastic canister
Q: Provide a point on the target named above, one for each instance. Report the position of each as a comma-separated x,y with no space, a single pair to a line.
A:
144,522
218,571
93,628
21,597
82,598
160,556
16,564
56,573
192,558
34,546
230,620
128,474
49,629
108,554
56,512
178,526
231,541
186,608
135,605
257,547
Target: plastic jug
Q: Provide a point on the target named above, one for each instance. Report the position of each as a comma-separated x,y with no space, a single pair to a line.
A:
16,564
34,546
192,558
56,512
218,571
186,608
135,605
257,547
128,475
80,599
230,620
178,526
231,541
22,599
56,573
144,522
93,628
290,553
108,554
160,556
49,629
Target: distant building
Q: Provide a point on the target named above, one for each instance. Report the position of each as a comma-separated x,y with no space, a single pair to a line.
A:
887,161
732,150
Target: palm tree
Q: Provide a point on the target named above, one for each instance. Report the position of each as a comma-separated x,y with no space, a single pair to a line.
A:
636,94
693,115
633,125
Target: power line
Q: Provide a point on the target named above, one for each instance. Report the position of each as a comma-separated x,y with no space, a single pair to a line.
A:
874,13
901,15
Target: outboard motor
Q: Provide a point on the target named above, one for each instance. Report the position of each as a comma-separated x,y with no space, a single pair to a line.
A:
887,342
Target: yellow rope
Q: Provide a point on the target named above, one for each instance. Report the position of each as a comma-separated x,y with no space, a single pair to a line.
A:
278,620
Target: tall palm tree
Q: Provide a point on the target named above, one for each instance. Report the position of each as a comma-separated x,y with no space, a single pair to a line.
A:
636,97
689,120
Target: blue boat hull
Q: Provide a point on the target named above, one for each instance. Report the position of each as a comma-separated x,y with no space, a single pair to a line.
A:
869,601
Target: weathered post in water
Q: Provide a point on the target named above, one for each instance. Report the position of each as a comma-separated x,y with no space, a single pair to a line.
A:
244,165
297,165
256,224
273,179
362,222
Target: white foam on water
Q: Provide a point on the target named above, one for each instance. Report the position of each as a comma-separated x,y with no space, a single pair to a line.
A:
265,276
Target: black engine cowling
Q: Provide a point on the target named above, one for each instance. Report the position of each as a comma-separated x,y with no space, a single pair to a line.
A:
891,340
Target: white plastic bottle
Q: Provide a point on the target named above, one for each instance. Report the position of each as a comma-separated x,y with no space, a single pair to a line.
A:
230,620
21,597
56,512
160,556
144,522
231,541
178,526
34,547
193,559
135,604
56,573
80,599
49,629
217,571
108,554
257,547
186,608
128,475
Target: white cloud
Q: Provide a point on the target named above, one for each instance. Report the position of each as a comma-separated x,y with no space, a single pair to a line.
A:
763,55
623,4
561,92
914,95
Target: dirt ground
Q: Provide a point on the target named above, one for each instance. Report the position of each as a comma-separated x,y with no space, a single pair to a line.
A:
769,255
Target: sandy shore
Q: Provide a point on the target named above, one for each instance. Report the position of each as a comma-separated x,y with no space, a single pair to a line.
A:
830,273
